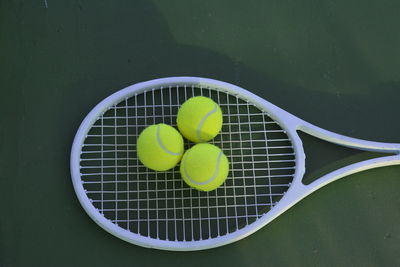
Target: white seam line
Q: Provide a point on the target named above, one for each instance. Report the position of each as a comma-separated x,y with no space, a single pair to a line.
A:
203,120
209,180
162,145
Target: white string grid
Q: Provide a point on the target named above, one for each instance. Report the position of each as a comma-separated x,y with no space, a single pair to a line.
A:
159,204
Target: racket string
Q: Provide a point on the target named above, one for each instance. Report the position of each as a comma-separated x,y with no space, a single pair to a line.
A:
159,204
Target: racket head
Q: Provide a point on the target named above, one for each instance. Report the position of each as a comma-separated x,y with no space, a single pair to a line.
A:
284,120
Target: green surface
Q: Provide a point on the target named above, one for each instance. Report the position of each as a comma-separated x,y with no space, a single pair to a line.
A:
333,63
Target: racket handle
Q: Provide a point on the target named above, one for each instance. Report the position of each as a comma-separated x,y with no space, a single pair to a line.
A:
348,141
354,168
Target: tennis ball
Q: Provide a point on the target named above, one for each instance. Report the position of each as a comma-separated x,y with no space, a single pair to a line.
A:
199,119
160,147
204,167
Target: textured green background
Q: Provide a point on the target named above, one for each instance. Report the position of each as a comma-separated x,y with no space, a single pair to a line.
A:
333,63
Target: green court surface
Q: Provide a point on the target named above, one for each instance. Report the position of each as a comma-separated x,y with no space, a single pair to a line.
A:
333,63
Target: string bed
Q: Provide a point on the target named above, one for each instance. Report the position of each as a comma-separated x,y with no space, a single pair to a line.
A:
159,204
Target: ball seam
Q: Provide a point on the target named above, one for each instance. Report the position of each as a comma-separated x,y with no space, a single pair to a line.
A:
209,180
203,120
162,145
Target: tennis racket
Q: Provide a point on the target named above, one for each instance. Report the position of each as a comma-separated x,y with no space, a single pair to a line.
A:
157,209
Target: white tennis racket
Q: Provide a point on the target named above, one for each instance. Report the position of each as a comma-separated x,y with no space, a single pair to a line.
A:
157,209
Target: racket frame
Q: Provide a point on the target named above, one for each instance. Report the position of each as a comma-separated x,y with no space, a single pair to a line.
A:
290,123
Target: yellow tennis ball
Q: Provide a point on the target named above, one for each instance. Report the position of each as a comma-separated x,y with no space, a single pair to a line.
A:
199,119
204,167
160,147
